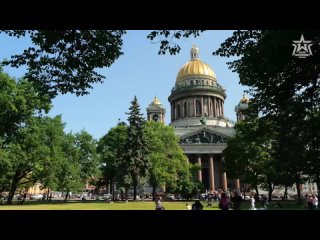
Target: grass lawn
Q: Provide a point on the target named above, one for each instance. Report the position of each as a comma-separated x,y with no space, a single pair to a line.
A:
147,205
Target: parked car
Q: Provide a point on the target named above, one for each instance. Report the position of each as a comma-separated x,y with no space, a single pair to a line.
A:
107,196
36,197
169,197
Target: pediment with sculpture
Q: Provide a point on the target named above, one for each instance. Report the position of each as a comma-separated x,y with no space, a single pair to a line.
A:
202,136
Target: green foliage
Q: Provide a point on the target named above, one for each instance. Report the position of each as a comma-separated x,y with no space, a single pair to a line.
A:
169,165
18,102
137,162
285,90
168,45
87,156
111,150
79,162
136,145
33,151
248,155
66,61
5,167
68,173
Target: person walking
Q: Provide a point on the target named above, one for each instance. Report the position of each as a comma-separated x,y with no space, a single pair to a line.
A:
252,203
315,202
197,205
224,202
158,204
236,201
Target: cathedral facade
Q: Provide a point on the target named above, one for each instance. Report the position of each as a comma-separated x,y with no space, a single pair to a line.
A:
197,115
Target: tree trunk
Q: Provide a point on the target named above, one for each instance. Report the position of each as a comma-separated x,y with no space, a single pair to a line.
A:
13,189
299,193
127,189
135,191
48,192
111,185
154,189
285,192
67,195
257,192
270,190
121,192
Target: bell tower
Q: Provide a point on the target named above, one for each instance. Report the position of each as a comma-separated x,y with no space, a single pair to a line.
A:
155,111
243,105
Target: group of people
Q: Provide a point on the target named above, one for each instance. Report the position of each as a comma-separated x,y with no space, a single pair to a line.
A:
234,202
22,198
196,206
312,201
224,203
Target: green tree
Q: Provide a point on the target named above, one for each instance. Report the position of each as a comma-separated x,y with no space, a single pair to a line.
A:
30,153
169,166
68,174
19,101
248,155
111,150
281,86
285,89
5,167
66,60
87,155
79,164
54,137
137,162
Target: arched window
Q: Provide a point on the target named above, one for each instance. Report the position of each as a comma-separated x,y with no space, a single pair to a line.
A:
178,111
185,109
206,82
198,109
197,82
191,82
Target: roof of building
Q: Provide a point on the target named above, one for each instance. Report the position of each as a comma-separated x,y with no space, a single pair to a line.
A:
195,67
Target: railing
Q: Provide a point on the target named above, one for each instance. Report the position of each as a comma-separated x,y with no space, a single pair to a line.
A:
183,88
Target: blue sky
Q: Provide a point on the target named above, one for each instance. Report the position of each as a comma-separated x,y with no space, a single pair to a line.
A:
141,72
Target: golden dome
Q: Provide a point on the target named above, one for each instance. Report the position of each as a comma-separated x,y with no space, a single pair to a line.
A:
244,99
156,101
195,67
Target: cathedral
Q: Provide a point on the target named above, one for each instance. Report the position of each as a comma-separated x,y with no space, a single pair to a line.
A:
197,115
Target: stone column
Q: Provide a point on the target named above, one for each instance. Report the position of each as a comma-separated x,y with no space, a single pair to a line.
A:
211,174
224,181
222,108
194,106
211,106
187,159
208,106
202,114
199,171
215,107
237,184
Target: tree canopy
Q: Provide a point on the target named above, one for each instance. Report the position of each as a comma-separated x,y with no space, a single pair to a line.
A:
66,60
137,162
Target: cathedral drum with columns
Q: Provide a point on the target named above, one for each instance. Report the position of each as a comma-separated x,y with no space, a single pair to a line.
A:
197,115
